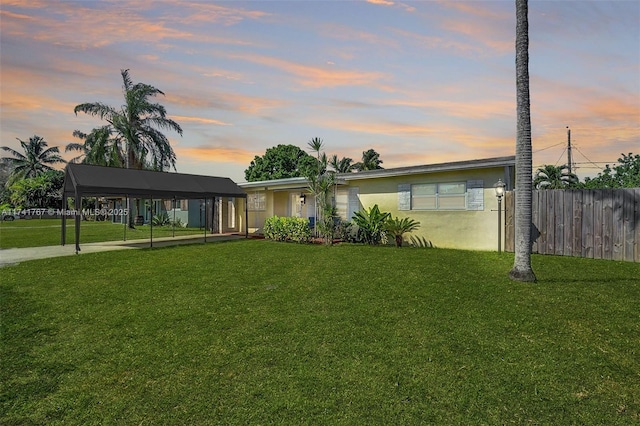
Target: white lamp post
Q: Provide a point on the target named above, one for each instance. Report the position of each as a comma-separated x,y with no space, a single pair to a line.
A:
499,187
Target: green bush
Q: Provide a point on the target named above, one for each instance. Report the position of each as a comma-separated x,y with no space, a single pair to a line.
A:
372,225
287,229
397,227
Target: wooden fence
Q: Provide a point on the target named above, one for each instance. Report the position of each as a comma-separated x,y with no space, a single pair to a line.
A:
594,223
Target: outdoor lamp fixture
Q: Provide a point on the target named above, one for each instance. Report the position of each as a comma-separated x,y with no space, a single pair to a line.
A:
499,187
303,198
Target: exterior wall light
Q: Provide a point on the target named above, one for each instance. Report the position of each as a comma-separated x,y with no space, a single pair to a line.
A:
499,187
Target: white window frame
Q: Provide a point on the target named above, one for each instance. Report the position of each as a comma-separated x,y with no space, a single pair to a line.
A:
257,202
440,196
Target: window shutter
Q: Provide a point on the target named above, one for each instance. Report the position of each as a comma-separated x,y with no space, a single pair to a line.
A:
404,196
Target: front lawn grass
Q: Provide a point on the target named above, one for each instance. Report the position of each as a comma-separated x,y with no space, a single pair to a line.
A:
47,232
257,332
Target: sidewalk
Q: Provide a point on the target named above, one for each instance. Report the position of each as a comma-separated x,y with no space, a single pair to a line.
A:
14,256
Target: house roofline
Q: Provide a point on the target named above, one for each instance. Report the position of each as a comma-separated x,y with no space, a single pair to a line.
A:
302,182
484,163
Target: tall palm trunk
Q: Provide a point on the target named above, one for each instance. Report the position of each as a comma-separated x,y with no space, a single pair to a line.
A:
522,265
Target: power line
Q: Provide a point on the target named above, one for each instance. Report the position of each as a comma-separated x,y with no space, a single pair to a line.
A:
542,149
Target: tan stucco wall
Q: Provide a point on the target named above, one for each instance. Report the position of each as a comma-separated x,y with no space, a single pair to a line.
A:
474,230
462,229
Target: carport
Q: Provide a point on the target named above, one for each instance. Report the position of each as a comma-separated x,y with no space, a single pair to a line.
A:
84,180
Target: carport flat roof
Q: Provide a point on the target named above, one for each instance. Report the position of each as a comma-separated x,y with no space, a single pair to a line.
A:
94,181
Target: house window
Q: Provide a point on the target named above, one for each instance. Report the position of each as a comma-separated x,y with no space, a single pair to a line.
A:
439,196
257,201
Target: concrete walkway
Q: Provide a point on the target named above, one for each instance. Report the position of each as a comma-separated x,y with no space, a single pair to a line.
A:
13,256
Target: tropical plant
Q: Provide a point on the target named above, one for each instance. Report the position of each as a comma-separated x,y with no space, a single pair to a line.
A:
344,165
135,129
280,162
42,191
370,161
36,160
98,148
554,177
420,242
321,181
522,270
371,225
136,126
396,228
625,174
161,219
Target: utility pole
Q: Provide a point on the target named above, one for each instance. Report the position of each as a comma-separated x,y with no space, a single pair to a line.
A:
569,148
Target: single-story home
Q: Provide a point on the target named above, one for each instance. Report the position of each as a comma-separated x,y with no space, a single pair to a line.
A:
454,202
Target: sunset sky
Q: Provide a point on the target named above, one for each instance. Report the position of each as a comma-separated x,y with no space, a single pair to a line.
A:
420,82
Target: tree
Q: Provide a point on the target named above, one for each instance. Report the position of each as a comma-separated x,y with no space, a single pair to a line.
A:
280,162
344,165
370,161
554,177
136,127
36,160
522,270
321,180
625,174
42,191
99,148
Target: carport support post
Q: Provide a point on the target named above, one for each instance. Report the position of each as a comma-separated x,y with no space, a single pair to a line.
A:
151,223
205,220
246,218
63,236
77,218
173,226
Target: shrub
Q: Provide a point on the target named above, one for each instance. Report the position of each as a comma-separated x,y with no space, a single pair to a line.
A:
161,219
396,228
287,229
371,225
420,242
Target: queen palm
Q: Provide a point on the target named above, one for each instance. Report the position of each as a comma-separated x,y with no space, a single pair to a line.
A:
344,165
522,270
554,177
370,161
36,160
98,148
136,126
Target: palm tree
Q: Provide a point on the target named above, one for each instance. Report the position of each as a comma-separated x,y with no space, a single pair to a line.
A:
320,183
99,148
522,270
36,160
397,227
370,161
554,177
136,126
344,165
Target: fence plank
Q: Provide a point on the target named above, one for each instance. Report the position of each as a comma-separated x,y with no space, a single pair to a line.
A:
558,228
607,224
567,216
617,226
636,220
509,226
535,220
588,238
577,223
542,226
629,223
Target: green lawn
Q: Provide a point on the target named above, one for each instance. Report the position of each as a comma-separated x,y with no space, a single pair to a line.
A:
47,232
257,332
